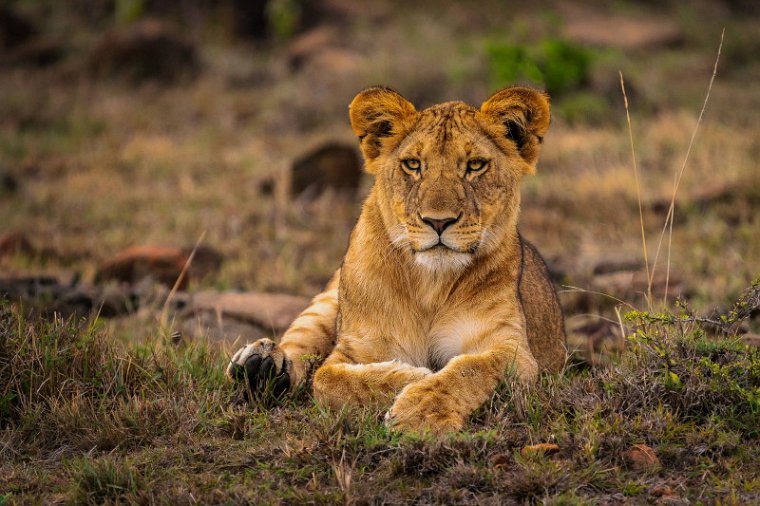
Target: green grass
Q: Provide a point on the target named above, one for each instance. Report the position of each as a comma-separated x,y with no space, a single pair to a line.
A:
89,421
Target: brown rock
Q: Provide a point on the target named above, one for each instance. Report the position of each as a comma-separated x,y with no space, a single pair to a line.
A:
500,460
15,243
271,312
147,49
641,457
219,328
539,449
164,265
332,165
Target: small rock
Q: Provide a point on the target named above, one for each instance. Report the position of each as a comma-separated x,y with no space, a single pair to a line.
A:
164,265
206,261
500,460
662,490
332,165
206,325
272,312
147,49
641,457
15,243
539,449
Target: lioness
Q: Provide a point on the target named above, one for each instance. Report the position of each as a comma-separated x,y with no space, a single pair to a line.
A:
439,298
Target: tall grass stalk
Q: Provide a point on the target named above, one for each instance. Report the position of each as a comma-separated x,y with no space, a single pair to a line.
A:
668,226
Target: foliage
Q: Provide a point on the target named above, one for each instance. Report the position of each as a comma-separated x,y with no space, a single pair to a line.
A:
556,64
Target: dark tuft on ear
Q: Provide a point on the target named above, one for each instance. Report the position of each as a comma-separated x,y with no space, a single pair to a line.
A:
522,114
376,113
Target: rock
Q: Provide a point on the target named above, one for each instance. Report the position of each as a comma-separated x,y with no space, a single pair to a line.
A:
539,449
164,265
641,457
48,295
161,264
15,243
332,165
206,261
271,312
14,29
500,460
145,50
215,328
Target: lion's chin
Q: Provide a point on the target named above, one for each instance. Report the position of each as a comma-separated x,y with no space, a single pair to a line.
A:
442,259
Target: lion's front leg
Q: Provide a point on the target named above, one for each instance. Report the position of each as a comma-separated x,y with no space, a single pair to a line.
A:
340,382
443,401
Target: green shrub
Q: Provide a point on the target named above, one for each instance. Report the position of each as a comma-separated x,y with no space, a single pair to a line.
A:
558,65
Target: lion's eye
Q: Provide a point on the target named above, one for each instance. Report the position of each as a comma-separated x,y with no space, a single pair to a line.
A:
476,165
412,164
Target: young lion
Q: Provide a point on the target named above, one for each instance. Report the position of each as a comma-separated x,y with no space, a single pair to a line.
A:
439,298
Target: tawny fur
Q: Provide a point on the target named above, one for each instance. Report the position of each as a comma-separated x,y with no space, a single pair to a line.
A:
430,323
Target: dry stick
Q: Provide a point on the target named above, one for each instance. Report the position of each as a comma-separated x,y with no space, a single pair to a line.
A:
676,183
638,189
183,272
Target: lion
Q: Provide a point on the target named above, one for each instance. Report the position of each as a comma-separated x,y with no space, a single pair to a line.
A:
439,298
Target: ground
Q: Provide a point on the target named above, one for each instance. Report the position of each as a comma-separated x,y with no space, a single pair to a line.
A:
93,161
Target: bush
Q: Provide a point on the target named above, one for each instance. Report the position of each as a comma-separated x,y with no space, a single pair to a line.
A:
557,65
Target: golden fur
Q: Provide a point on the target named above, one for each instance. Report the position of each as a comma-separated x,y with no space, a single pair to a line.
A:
438,298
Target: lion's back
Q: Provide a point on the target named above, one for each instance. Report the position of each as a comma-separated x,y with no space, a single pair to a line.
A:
545,325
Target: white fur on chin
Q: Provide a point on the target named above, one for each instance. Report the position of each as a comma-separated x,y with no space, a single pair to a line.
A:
442,260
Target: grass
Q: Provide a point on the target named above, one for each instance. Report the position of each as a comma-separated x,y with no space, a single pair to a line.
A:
86,420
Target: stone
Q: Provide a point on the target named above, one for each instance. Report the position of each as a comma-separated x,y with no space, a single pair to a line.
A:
271,312
15,243
641,457
163,265
149,49
332,165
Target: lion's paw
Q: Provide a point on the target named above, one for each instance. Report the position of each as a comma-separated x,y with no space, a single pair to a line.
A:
419,409
264,365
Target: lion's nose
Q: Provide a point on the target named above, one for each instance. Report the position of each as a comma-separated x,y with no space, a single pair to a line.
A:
440,224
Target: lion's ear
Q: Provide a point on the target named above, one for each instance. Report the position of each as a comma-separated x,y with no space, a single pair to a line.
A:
377,113
523,116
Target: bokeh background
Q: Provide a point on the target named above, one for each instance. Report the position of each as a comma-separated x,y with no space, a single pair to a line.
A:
156,123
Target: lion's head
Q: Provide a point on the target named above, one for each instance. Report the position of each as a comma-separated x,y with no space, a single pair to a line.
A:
447,177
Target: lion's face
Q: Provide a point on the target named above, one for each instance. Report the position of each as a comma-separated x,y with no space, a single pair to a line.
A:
447,177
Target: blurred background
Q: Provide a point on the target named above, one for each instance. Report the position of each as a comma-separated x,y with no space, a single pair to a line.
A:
131,130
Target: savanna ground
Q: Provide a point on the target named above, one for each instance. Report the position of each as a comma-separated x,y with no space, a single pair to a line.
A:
107,410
